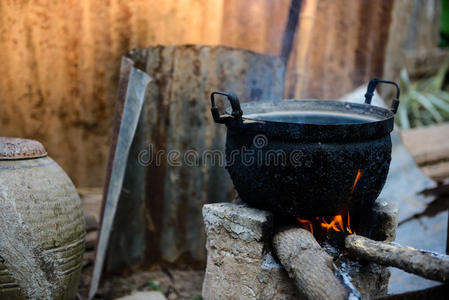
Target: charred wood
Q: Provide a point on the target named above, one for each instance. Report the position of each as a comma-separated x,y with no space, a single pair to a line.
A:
420,262
309,265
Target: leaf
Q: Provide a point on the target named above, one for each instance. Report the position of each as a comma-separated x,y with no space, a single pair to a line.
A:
405,79
153,285
441,104
444,95
424,101
416,114
439,77
403,117
427,118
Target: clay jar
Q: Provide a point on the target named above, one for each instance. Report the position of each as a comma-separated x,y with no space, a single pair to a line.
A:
42,228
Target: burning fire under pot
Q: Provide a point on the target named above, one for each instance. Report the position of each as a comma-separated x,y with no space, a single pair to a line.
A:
323,227
320,167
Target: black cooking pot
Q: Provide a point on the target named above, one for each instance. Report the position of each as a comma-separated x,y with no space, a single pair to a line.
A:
308,157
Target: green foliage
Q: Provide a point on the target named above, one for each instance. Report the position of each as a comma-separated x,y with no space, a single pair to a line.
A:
423,102
154,286
196,298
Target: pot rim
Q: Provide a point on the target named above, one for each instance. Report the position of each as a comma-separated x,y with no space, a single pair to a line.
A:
379,121
368,110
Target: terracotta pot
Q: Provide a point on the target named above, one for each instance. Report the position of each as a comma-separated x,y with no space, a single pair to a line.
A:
41,223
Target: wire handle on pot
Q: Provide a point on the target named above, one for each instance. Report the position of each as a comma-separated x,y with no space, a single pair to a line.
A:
235,104
372,86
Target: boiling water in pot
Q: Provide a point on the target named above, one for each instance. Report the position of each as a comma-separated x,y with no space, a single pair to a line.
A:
318,118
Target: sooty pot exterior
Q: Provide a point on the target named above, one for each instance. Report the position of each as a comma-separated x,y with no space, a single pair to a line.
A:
307,178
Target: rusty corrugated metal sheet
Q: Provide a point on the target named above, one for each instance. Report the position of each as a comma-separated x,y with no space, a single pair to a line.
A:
159,220
61,59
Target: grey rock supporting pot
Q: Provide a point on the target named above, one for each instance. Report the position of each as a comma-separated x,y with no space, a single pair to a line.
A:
41,223
308,157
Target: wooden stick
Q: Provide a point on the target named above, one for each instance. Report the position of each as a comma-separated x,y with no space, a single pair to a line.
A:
308,265
423,263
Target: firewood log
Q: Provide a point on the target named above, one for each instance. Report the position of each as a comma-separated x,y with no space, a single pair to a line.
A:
309,265
420,262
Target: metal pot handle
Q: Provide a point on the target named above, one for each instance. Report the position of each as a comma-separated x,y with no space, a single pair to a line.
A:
372,86
235,104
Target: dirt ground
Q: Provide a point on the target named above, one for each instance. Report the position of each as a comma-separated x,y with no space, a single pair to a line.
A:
174,284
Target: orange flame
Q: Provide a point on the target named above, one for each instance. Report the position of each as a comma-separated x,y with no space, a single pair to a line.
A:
348,226
357,177
336,223
305,224
327,225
